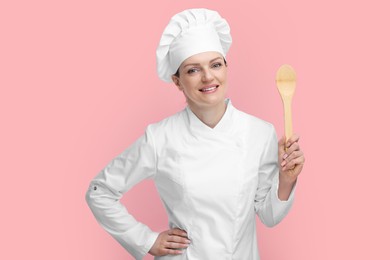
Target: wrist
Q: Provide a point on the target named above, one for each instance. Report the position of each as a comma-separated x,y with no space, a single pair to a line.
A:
285,188
287,181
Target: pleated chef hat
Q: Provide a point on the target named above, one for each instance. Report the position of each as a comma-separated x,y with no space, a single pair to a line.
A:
188,33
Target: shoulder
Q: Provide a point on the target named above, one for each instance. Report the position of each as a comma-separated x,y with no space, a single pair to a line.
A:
167,124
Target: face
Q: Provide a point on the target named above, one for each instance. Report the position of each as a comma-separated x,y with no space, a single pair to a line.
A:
203,79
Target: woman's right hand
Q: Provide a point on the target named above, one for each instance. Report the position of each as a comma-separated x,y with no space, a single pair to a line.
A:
170,242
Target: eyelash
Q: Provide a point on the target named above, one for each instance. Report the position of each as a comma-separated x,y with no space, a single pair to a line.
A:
192,70
215,65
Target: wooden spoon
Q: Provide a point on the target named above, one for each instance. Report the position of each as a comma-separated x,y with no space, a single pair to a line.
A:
285,80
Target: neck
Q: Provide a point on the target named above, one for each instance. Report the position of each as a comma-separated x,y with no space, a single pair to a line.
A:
209,115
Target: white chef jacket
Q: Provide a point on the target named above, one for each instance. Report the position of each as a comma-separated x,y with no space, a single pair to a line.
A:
212,181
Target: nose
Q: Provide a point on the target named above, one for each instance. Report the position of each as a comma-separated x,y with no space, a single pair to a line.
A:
207,75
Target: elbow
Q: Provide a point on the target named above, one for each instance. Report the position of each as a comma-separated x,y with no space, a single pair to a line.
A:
90,195
268,219
269,225
268,222
98,196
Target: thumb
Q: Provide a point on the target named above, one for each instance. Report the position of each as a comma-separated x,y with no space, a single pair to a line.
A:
282,145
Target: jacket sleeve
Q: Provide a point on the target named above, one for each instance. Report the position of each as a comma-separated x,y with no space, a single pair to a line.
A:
103,196
270,209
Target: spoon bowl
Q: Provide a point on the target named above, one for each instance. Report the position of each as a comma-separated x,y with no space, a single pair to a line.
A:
286,82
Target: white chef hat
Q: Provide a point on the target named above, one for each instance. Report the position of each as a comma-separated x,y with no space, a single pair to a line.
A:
188,33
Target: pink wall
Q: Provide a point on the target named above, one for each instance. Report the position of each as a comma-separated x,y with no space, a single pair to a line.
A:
78,85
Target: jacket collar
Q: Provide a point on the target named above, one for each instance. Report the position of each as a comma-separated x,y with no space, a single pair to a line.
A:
223,126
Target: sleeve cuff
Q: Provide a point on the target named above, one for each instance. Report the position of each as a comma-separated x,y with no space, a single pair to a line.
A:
290,198
150,242
280,208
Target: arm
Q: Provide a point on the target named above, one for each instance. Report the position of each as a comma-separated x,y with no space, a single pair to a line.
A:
135,164
271,208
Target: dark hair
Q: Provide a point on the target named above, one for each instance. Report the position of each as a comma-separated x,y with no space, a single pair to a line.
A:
177,74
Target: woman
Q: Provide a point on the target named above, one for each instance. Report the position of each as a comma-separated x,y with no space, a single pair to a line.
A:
214,166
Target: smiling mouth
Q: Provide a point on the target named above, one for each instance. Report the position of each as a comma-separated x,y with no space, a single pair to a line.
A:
209,89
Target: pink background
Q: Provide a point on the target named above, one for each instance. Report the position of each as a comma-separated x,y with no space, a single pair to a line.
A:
78,85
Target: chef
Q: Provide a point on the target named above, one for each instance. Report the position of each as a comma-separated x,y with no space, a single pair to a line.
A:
215,167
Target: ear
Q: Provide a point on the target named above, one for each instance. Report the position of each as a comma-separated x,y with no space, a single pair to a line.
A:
176,80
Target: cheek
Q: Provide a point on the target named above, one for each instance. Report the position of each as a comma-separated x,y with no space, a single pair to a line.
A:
189,84
223,76
186,89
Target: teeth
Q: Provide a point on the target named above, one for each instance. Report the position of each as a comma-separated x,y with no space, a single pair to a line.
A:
208,89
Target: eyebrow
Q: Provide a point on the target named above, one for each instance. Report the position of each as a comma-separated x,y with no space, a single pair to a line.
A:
192,64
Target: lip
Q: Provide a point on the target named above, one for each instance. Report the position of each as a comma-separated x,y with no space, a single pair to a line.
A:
209,89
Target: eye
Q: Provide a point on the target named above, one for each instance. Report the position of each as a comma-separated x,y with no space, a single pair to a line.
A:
192,70
217,65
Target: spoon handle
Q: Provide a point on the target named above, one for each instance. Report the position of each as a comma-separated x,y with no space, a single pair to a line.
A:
288,130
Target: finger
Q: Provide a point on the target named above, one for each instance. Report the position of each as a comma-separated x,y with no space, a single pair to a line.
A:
293,147
178,239
295,171
174,245
294,138
177,232
282,144
174,252
294,163
288,152
294,155
298,168
291,156
169,251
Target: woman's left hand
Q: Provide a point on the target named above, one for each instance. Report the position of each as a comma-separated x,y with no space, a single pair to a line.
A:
291,160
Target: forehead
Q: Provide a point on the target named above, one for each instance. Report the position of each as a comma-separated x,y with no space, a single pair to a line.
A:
204,57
